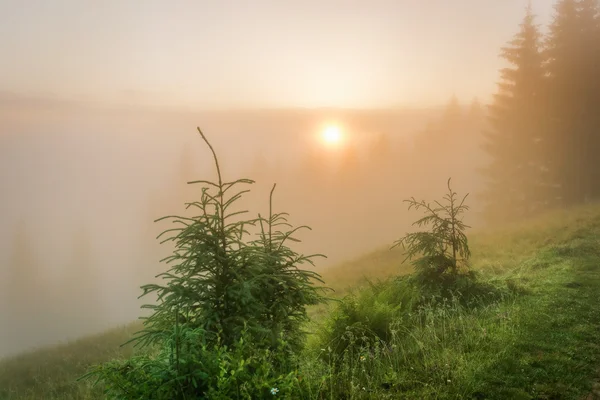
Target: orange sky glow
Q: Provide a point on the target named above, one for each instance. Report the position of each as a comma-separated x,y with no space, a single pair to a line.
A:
264,53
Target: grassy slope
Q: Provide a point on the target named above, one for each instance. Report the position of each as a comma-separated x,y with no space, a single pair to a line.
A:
543,345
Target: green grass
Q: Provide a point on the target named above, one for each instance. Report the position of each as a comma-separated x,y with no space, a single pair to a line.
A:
541,342
51,373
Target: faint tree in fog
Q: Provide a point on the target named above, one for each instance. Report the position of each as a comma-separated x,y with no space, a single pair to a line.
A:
314,168
25,293
453,114
516,182
80,287
475,124
476,113
349,169
447,146
426,139
589,13
434,141
574,71
380,152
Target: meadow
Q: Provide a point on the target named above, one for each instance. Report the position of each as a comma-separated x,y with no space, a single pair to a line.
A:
537,340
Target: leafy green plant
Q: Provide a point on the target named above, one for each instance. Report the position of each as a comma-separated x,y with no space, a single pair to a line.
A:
227,299
363,319
439,254
201,370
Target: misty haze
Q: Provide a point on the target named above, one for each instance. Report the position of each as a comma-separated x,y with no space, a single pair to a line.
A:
350,108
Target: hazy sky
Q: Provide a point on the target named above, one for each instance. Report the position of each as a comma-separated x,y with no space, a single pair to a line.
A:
67,167
260,53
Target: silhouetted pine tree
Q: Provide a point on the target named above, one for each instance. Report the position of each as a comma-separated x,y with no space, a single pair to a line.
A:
573,85
516,182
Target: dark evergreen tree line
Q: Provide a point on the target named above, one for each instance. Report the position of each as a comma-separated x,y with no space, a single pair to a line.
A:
544,121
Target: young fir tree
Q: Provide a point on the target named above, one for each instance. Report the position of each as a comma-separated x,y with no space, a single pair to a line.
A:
285,290
573,87
227,318
516,181
219,277
441,253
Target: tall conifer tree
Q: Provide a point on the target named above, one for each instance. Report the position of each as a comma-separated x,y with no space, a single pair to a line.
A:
516,182
589,15
572,70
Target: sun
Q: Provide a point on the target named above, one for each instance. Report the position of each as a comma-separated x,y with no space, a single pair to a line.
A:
332,135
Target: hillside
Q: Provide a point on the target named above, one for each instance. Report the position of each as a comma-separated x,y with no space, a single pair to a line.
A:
541,344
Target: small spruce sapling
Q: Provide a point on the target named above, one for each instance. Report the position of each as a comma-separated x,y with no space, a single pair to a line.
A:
228,318
439,254
285,289
210,284
224,282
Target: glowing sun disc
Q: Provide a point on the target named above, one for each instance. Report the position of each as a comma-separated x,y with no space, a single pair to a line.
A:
332,135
